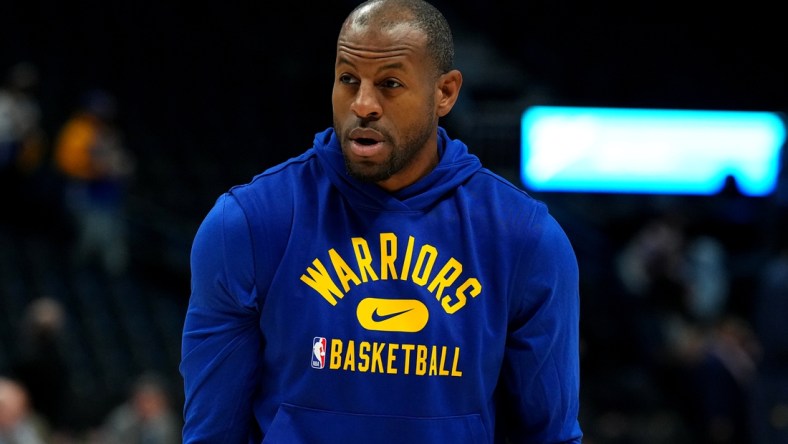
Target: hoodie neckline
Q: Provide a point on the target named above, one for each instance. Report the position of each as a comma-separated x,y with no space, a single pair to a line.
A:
456,165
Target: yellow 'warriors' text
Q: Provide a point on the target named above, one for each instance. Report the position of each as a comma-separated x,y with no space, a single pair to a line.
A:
418,264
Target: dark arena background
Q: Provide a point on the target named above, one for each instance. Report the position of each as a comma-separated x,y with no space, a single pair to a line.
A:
684,298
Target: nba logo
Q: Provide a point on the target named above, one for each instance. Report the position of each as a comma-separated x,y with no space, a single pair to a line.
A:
318,352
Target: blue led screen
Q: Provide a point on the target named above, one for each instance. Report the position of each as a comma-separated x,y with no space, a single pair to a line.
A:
620,150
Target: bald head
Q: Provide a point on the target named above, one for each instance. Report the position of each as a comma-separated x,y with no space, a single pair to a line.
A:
388,14
14,404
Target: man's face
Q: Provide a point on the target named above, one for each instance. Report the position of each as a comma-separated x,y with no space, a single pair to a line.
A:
384,104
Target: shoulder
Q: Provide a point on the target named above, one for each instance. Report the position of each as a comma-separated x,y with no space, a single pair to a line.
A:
224,221
499,195
278,184
519,217
279,174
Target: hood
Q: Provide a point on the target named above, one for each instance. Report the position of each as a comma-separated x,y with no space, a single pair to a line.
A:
455,167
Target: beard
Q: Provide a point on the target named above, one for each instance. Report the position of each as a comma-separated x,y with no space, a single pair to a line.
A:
402,152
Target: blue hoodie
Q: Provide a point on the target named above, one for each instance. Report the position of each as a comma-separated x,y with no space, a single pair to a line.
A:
327,310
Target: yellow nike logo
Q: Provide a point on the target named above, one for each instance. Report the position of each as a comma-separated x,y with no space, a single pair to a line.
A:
405,315
380,317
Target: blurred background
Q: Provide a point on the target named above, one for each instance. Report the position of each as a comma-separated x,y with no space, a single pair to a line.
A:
684,298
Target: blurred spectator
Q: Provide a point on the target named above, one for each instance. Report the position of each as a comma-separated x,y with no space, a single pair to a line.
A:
700,358
40,364
19,423
770,321
21,135
680,279
707,279
90,153
771,312
146,417
720,384
22,139
652,267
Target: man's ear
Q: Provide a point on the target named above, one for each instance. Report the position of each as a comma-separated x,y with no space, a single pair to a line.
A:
448,90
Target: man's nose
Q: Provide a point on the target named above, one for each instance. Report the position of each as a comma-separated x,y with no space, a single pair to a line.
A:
366,104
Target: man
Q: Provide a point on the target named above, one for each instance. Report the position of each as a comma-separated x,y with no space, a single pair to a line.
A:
96,164
383,287
145,416
19,422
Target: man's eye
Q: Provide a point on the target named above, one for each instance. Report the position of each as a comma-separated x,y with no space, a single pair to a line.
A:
391,84
347,78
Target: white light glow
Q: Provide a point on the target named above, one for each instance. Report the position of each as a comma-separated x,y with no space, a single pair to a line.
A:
622,150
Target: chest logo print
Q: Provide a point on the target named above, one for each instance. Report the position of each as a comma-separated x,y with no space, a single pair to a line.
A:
380,317
403,315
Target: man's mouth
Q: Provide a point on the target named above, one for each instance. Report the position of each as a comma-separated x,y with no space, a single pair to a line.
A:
365,147
365,142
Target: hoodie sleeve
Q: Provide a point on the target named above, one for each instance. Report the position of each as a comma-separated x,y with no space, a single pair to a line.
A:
541,374
221,337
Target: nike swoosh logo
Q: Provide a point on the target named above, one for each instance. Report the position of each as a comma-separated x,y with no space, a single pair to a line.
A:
377,317
382,314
